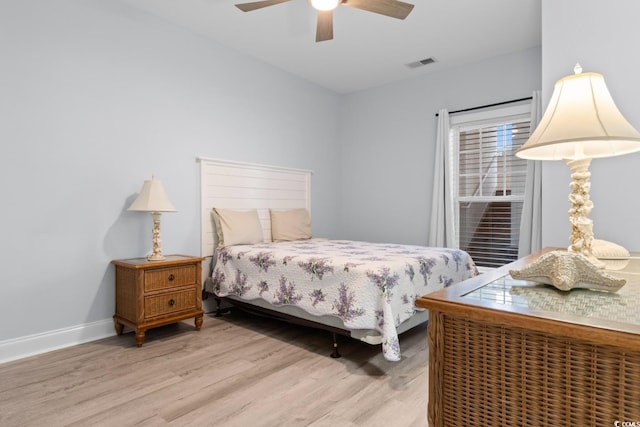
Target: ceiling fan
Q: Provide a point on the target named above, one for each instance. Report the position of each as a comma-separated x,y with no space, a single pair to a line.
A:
324,29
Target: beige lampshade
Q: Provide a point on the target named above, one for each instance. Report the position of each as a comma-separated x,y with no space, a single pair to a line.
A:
581,121
152,198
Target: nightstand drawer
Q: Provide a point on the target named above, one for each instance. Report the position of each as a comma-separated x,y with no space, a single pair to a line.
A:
163,278
169,303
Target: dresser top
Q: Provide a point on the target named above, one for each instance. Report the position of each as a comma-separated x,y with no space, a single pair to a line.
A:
622,306
497,292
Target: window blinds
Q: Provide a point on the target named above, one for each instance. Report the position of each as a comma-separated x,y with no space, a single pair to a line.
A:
490,189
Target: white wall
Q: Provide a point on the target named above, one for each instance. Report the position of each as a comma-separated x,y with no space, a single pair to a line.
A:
387,138
95,97
603,38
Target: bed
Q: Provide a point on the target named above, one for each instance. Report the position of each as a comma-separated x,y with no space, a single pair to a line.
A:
261,255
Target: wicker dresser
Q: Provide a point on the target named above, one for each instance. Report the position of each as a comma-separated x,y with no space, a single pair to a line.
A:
155,293
506,352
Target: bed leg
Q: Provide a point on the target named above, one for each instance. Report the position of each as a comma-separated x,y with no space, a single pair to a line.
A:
218,309
336,353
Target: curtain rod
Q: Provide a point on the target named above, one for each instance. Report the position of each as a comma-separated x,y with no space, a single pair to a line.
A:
490,105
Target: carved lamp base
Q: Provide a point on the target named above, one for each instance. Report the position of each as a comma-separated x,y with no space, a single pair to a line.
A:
156,255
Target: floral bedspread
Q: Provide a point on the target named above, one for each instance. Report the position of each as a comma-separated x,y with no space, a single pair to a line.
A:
367,285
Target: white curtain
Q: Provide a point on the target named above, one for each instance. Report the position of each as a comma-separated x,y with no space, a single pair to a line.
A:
441,228
531,221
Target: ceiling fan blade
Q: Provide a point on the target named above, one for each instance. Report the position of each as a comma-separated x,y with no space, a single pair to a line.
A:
392,8
248,7
324,30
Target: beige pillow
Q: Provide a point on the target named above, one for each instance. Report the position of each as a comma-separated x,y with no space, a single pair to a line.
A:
293,224
237,227
218,227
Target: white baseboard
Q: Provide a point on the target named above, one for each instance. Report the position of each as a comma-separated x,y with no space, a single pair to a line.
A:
30,345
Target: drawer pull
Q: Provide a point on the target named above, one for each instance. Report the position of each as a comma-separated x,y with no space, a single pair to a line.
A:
171,277
171,302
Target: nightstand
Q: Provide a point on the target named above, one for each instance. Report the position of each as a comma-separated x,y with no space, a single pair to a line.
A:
156,293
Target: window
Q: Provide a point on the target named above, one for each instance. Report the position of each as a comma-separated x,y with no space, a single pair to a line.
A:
489,182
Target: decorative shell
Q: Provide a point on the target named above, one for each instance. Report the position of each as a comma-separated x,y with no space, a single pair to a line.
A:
566,271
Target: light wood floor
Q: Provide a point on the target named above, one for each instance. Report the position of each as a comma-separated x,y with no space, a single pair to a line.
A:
239,370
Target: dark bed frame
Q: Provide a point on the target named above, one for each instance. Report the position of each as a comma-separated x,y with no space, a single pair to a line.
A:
271,314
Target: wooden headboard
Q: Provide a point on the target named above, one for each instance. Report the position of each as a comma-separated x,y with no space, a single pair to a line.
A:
237,185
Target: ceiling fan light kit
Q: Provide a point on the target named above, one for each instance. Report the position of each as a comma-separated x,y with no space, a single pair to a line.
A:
324,30
324,5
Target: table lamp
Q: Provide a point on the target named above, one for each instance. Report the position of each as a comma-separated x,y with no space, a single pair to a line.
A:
154,199
580,123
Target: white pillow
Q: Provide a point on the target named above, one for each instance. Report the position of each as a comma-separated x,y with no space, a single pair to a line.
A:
237,227
293,224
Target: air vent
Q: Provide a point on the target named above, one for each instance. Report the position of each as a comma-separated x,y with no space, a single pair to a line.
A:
421,63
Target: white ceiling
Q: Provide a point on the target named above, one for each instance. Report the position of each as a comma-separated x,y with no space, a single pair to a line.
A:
368,49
